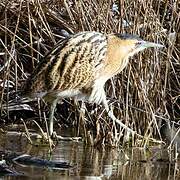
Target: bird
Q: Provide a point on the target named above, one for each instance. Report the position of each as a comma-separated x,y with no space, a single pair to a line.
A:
79,66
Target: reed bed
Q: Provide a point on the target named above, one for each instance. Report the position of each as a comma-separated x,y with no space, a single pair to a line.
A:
145,96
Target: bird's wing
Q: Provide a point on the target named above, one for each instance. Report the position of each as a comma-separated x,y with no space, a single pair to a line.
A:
71,64
76,64
36,82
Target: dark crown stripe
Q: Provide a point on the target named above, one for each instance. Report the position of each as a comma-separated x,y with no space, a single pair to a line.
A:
127,36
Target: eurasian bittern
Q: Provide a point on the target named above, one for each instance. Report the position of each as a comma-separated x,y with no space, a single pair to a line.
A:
80,65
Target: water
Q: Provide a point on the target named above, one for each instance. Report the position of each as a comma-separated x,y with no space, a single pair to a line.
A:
90,163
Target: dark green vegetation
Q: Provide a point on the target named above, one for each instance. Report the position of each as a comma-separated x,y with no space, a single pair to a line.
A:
144,96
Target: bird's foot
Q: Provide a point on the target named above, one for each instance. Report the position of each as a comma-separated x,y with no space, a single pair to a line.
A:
54,135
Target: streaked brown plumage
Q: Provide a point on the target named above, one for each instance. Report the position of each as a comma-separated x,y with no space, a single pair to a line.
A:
80,65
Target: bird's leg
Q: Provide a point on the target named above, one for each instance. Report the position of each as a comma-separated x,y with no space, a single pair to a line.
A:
111,115
51,116
82,128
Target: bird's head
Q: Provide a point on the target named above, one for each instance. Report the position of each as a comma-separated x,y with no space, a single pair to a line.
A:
132,44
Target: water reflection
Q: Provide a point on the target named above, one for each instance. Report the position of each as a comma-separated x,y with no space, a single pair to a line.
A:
93,163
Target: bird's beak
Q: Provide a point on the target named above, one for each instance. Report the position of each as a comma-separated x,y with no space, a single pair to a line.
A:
147,44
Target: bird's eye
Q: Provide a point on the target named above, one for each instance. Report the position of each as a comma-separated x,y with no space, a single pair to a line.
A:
138,43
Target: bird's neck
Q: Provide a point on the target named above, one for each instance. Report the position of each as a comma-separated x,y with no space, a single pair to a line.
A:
116,58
